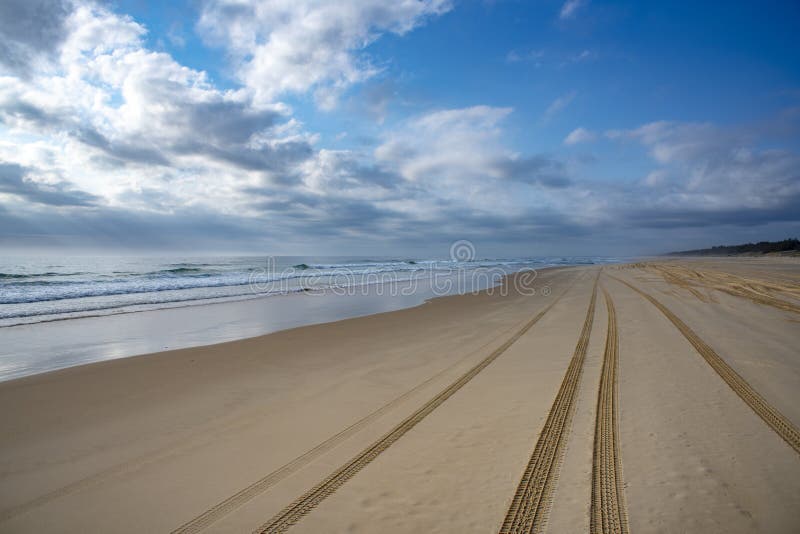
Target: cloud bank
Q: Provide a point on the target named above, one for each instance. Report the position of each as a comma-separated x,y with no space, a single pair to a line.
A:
108,143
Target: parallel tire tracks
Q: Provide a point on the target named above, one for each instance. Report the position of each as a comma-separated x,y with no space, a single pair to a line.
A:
531,502
608,511
216,512
198,439
776,420
305,503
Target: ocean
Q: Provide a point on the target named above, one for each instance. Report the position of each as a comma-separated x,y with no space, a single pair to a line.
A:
37,289
61,312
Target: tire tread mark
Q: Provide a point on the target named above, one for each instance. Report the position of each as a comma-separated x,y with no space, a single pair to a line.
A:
193,442
609,513
775,419
758,291
213,514
309,500
531,502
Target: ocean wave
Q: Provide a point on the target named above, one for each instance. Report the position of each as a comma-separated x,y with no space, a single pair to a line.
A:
26,292
155,300
43,291
21,291
81,309
133,282
10,276
21,294
19,276
188,264
354,265
178,270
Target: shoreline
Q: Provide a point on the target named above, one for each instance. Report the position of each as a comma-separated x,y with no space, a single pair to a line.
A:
94,339
439,408
95,287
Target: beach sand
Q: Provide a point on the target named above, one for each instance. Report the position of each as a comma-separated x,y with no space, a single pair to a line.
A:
584,407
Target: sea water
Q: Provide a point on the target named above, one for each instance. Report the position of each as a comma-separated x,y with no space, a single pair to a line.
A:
65,311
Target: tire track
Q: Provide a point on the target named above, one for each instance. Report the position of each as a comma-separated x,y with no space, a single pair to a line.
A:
200,438
215,513
776,420
197,440
609,514
305,503
531,502
193,441
758,291
674,279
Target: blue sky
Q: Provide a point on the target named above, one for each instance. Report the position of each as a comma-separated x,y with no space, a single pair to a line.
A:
369,127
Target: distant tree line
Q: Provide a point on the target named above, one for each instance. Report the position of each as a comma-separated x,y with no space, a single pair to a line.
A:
763,247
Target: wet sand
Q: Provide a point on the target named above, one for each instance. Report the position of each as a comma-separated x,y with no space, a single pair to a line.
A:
587,409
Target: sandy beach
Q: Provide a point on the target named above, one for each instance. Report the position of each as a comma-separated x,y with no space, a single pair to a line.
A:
653,397
418,266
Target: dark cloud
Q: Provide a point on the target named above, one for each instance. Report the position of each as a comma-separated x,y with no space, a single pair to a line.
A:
227,122
529,226
30,29
299,212
339,172
535,170
312,215
350,171
787,210
374,99
124,151
708,179
263,158
13,181
334,217
218,122
373,174
221,130
20,110
121,151
120,229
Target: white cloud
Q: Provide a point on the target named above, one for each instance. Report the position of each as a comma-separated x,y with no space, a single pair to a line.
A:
569,8
580,57
300,45
656,178
99,130
518,56
458,157
558,105
445,151
118,119
539,58
117,126
579,135
703,167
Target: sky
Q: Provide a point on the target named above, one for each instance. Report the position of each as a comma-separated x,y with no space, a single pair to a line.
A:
394,128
